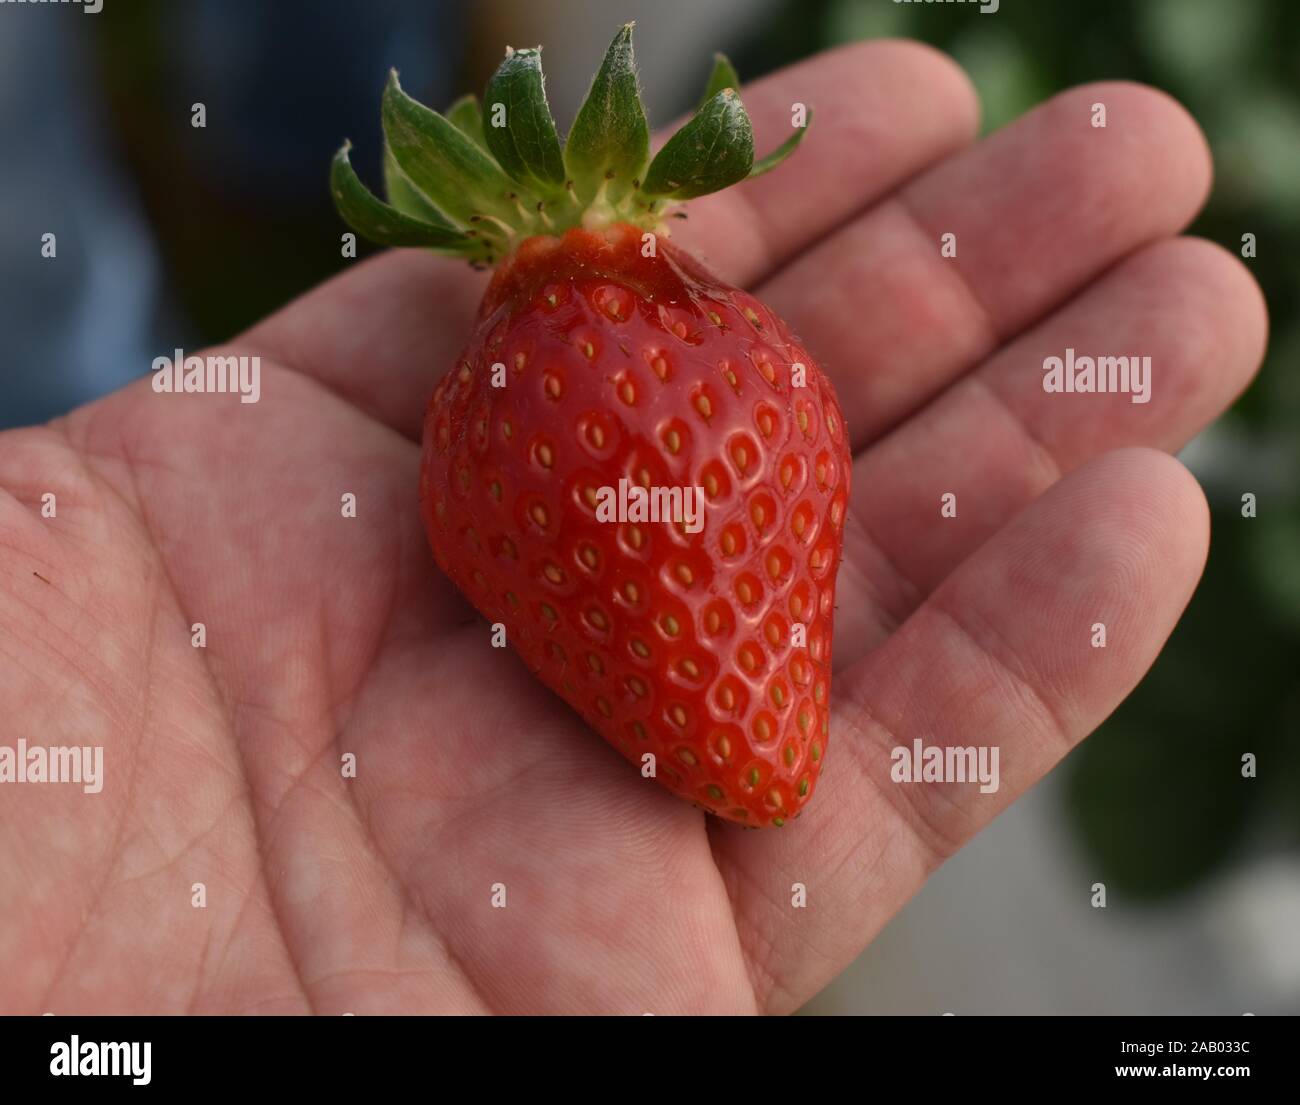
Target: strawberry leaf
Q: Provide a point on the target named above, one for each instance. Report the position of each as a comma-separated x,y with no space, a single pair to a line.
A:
460,186
723,76
457,176
610,139
784,150
384,224
525,144
714,150
466,117
406,197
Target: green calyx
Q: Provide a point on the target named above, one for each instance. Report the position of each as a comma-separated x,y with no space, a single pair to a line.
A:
475,182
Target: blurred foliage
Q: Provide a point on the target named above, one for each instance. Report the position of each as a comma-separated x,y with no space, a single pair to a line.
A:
1157,795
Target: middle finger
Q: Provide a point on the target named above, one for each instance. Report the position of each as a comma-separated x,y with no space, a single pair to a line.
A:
1037,210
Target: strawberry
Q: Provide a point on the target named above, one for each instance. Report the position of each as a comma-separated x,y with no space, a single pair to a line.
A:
609,378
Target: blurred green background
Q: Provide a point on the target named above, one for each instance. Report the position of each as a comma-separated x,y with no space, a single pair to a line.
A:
214,229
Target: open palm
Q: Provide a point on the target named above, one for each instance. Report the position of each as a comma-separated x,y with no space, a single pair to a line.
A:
328,635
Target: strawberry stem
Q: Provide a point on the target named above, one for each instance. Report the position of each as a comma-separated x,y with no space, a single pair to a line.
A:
477,180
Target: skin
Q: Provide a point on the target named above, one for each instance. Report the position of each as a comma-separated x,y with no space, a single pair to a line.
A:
327,636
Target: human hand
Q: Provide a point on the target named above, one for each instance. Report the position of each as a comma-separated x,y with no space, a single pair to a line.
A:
328,635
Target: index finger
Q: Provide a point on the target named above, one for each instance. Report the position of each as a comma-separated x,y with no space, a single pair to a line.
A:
883,111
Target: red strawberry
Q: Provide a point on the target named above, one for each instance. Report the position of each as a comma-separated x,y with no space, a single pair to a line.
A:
604,354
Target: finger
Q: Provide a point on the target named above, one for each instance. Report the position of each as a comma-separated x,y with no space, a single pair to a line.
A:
382,334
883,111
1036,211
1000,657
997,440
27,457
